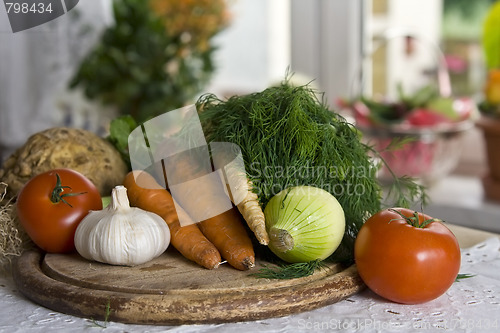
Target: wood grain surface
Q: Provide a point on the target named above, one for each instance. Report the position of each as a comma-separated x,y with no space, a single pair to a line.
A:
172,290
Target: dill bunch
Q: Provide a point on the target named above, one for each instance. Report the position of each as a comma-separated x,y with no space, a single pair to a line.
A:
288,137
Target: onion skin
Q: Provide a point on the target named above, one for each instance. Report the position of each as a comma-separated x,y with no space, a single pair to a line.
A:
304,223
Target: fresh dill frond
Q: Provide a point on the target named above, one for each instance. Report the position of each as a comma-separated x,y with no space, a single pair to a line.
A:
398,143
107,313
463,276
289,271
403,191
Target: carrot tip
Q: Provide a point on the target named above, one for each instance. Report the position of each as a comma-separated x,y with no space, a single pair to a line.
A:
215,266
248,263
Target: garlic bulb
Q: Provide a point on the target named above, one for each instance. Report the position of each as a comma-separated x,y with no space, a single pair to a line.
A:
120,234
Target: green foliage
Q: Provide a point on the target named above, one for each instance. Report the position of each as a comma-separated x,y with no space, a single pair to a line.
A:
462,20
466,8
140,68
489,109
418,99
289,138
491,37
119,131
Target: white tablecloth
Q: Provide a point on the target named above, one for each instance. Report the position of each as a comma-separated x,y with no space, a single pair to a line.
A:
470,305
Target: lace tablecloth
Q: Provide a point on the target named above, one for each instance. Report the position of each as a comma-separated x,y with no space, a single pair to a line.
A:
470,305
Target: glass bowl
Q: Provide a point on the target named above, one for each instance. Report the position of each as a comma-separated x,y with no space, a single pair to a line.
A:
427,154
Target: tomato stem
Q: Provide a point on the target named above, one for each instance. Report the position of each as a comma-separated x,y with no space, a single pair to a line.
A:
57,195
414,220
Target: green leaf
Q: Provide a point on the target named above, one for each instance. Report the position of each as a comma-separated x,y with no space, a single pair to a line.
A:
463,276
120,129
491,36
419,98
445,107
423,95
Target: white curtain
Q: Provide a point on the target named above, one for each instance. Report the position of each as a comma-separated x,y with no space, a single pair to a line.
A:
35,67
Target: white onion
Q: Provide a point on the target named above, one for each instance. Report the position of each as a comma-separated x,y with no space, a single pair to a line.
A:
304,223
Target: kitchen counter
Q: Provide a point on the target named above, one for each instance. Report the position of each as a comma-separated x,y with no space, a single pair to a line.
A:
470,305
460,200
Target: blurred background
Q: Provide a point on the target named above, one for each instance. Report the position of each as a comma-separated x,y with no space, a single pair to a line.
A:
106,58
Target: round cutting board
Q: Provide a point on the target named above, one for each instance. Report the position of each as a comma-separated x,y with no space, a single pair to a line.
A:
172,290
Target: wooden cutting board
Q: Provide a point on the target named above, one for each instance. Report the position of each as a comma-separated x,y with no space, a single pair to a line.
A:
172,290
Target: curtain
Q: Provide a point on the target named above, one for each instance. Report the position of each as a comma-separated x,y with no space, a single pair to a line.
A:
35,67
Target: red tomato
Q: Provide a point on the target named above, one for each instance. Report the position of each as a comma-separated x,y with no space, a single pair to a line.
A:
50,212
405,263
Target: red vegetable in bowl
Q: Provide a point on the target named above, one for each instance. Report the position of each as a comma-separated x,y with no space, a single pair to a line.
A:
425,117
423,108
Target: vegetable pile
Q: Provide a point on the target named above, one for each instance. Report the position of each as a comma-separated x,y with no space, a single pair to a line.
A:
310,194
288,137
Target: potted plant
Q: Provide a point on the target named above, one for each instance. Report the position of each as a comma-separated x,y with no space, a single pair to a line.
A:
489,122
156,56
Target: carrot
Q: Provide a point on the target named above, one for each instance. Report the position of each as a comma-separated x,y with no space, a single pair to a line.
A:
188,239
203,200
227,232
